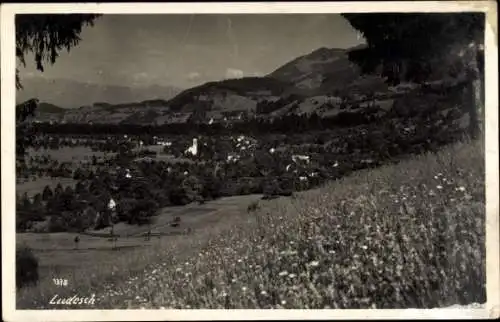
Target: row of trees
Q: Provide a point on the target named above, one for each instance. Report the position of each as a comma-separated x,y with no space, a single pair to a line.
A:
285,124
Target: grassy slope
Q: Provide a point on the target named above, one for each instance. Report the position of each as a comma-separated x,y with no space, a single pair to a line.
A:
406,235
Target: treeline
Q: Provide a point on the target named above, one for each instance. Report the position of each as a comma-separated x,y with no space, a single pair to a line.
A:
140,190
286,124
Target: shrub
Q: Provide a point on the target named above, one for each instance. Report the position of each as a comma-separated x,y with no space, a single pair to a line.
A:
57,224
26,267
271,188
253,206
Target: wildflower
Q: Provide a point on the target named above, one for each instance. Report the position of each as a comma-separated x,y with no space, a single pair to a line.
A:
331,252
461,189
283,273
178,269
292,275
283,302
239,260
263,292
439,187
244,288
314,263
364,247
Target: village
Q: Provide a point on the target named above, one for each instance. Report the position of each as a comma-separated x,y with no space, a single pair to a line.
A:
173,170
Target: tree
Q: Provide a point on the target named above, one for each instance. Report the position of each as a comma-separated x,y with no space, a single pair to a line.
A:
411,46
45,35
47,193
59,189
37,201
25,201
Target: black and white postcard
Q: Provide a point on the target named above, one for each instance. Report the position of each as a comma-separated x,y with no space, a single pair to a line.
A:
299,160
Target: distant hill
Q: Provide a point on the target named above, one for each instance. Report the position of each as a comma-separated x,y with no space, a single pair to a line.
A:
321,74
50,108
319,82
218,94
44,107
47,112
143,104
73,94
327,71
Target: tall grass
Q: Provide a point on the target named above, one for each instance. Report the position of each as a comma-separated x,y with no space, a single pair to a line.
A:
405,235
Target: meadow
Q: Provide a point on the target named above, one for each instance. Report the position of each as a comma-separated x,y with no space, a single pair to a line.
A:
32,186
69,154
403,235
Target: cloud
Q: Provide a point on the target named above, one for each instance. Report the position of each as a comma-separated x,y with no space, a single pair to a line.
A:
193,76
234,73
140,76
32,75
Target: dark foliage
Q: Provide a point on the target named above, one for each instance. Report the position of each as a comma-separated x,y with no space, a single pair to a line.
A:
45,35
26,267
412,46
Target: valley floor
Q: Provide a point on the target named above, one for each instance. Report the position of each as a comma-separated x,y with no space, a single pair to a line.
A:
400,236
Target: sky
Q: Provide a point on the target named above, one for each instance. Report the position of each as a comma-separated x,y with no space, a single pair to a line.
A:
188,50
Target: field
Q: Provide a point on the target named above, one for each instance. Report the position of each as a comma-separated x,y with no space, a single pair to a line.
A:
69,154
399,236
32,187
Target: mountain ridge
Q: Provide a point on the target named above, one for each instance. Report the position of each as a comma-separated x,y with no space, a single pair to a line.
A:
71,94
320,82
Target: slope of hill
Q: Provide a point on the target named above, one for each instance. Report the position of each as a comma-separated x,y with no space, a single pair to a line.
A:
327,71
44,107
46,112
324,72
72,94
374,230
224,94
